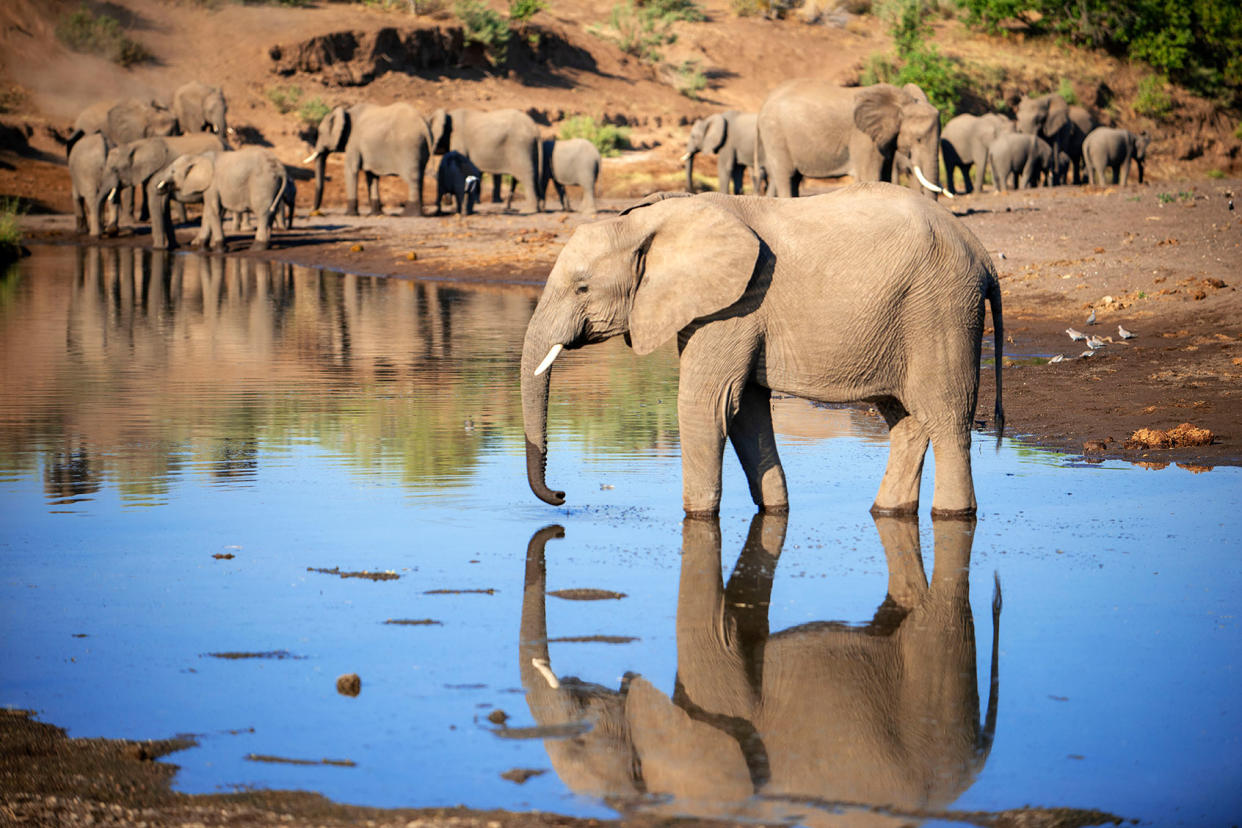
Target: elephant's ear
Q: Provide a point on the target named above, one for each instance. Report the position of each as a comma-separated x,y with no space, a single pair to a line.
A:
877,112
717,129
653,198
692,258
1058,115
916,93
338,128
441,125
198,174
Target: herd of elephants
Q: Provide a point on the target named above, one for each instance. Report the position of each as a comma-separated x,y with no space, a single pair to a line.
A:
142,156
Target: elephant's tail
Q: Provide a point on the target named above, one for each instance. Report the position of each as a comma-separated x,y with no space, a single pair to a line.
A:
73,139
998,334
989,718
280,191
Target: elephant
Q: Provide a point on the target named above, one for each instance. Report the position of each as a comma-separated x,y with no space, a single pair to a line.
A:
376,140
503,141
86,169
201,108
731,136
841,724
1058,123
964,143
1106,147
870,292
458,177
137,164
251,178
812,128
1019,159
123,120
573,162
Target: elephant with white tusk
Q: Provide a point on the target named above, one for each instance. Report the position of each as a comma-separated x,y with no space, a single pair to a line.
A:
869,293
730,136
964,142
814,129
201,108
246,180
1060,124
838,723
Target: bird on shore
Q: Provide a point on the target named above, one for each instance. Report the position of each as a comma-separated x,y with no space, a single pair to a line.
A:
1086,353
1075,335
1091,318
1124,334
1095,343
1056,359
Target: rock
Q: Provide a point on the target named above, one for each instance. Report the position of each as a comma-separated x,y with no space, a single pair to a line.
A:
349,684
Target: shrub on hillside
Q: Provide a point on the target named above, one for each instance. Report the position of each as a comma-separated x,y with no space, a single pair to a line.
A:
1152,100
83,31
485,27
607,138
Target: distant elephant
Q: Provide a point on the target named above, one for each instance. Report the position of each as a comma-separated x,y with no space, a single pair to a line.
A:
866,293
1061,125
503,141
86,169
812,128
1019,160
458,177
731,137
376,140
573,162
137,164
201,108
964,143
1106,147
822,720
251,179
123,120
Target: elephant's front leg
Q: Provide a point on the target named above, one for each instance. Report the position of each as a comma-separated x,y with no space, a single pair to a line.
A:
213,222
755,443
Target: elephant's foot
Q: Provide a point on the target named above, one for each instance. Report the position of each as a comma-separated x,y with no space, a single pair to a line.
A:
415,210
259,245
377,209
953,514
351,208
775,509
703,514
901,510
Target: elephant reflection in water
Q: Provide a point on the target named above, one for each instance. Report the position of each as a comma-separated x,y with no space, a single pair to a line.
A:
834,723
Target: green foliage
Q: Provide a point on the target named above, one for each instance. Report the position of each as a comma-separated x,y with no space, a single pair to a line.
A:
285,98
485,27
671,10
522,10
748,8
607,138
1196,43
690,80
918,61
100,35
643,28
10,225
1152,100
313,111
1066,91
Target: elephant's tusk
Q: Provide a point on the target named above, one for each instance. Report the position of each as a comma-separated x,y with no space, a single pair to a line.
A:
112,193
546,671
549,359
311,157
684,157
933,187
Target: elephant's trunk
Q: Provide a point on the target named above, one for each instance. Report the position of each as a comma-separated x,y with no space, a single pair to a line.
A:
689,159
535,669
321,164
926,160
535,352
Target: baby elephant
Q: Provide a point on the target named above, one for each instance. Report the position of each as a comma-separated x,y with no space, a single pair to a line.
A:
1106,147
1020,159
575,162
459,177
250,179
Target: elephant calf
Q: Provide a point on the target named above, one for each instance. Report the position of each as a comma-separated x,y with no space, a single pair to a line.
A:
250,179
1019,160
867,293
575,162
459,178
1106,147
86,168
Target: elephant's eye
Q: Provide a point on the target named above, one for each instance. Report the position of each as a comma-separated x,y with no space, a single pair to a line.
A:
581,288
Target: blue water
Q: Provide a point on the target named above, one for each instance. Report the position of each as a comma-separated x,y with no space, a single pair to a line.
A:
157,411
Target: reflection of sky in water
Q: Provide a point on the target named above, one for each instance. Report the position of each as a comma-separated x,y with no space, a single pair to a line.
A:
371,425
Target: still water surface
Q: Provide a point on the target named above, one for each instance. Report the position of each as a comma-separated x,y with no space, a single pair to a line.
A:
188,442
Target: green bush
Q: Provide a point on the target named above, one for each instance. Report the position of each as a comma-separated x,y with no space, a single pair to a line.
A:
643,28
485,27
918,61
1066,91
100,35
1152,100
607,138
690,80
313,111
671,10
285,98
748,8
10,227
522,10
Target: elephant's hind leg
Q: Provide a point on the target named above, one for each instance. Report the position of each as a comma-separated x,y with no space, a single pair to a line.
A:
954,495
754,441
907,446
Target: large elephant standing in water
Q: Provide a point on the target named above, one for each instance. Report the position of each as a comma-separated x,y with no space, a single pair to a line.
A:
867,293
842,717
814,129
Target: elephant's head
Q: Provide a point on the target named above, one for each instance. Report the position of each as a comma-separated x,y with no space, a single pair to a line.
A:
1138,151
188,176
1046,116
903,122
707,135
645,274
215,113
117,171
331,136
441,126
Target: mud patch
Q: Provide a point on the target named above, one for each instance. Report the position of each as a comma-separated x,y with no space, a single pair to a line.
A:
488,591
273,655
370,576
587,594
284,760
1184,435
520,775
594,639
414,622
559,731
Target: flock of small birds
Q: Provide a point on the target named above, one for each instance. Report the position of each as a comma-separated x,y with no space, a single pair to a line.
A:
1093,342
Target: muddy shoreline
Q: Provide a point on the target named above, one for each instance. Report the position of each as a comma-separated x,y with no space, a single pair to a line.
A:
1159,260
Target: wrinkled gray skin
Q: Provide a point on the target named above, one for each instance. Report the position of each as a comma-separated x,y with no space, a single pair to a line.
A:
815,129
249,179
138,164
574,162
458,177
964,143
376,140
827,715
86,167
730,136
201,108
500,142
866,293
1019,161
121,121
1061,125
1106,147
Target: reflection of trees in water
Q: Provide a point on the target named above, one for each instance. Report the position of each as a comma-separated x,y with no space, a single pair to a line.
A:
156,363
69,474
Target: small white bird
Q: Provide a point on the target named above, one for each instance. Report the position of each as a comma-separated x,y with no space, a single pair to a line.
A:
1086,353
1077,336
1095,343
1091,318
1124,334
1056,359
